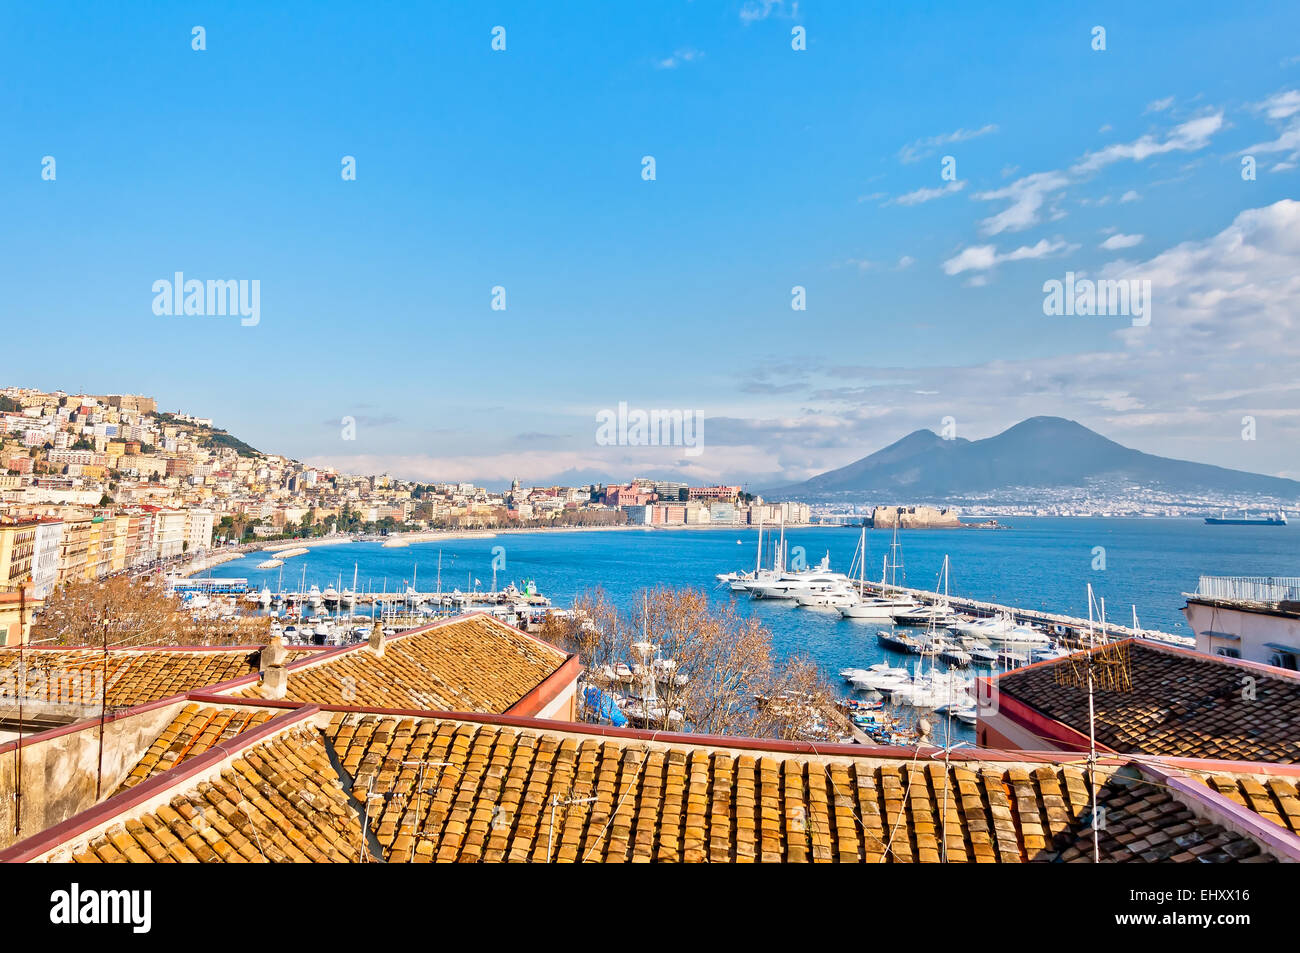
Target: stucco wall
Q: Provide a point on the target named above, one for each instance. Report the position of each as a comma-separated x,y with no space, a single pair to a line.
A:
58,773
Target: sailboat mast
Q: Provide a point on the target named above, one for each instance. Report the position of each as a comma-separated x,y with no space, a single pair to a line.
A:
781,548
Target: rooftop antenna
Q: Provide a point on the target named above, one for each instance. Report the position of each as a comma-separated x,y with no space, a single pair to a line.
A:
1107,664
558,802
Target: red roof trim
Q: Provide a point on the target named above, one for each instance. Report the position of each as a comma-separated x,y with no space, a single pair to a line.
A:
119,804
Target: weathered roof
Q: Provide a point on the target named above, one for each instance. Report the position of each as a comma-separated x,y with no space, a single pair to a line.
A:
131,676
1180,703
310,785
193,731
475,663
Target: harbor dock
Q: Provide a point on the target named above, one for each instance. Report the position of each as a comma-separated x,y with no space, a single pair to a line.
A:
1069,628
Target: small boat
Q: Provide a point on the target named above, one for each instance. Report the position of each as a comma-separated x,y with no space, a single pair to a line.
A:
955,655
983,655
938,614
1009,659
1045,653
899,642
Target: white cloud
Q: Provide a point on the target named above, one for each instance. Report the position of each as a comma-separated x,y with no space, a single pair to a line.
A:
1159,105
928,195
984,257
754,10
1282,110
907,261
1223,342
1281,105
681,56
1129,196
918,150
1118,241
1026,195
1187,137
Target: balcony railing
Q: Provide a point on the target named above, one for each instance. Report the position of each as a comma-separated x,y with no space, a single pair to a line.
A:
1250,588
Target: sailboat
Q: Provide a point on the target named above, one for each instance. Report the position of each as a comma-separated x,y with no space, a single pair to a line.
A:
935,613
878,608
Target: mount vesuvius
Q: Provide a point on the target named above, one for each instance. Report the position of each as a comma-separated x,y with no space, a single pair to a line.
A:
1040,453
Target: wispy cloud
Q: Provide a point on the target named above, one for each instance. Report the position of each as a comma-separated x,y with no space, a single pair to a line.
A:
984,257
681,56
918,150
1282,109
1159,105
927,194
1026,195
754,10
1119,240
1186,137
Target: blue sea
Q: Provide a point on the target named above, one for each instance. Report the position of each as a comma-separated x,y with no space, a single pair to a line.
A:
1038,563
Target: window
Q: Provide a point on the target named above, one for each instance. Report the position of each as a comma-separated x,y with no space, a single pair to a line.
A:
1228,653
1285,660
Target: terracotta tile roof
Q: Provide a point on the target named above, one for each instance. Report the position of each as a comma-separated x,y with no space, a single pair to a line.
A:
1181,703
1275,799
193,731
133,677
485,793
469,664
280,801
435,789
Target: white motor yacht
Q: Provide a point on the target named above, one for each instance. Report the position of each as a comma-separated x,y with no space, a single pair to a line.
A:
829,596
790,585
877,608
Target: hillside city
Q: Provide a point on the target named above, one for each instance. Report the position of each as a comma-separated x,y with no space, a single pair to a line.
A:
92,485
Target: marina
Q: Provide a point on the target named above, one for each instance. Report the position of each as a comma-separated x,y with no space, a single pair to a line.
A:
1038,568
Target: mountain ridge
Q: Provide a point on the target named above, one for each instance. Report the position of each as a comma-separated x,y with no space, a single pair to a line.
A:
1045,453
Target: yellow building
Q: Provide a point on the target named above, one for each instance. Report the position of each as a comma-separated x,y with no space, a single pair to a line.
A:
17,549
73,550
16,617
121,537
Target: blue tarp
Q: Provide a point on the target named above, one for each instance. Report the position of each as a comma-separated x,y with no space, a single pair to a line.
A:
604,705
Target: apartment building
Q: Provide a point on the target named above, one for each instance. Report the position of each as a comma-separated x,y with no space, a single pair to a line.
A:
198,529
170,533
17,552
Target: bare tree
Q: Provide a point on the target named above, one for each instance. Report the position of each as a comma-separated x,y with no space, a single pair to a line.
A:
125,612
708,668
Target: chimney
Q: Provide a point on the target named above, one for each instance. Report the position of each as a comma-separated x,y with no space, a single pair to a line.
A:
275,682
273,655
376,641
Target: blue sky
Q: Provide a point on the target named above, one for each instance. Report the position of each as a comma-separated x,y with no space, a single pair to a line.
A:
775,168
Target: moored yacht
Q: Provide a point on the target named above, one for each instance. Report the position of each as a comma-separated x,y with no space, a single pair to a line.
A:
790,585
878,608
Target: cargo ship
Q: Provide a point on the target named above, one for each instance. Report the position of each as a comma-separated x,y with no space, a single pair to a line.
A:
1246,520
